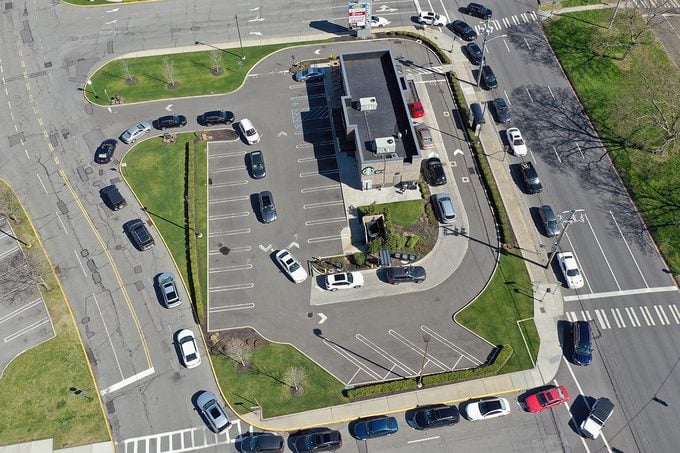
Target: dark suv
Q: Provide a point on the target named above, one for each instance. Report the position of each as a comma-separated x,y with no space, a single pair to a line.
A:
216,117
409,274
489,78
315,439
433,416
139,235
477,10
112,197
583,343
170,121
532,183
267,207
434,172
463,30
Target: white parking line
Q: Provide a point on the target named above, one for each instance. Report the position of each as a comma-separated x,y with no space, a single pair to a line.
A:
218,289
316,158
229,216
634,320
323,204
327,238
10,315
324,221
661,314
228,199
234,154
354,361
320,188
380,351
422,440
232,307
25,330
307,174
579,150
450,344
241,267
228,184
228,169
10,251
231,250
530,98
418,350
228,233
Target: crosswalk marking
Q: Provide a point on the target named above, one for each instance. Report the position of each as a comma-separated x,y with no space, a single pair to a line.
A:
633,317
676,314
618,318
650,317
661,314
600,317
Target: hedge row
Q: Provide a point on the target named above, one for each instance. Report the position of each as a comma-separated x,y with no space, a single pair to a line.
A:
507,235
443,57
432,380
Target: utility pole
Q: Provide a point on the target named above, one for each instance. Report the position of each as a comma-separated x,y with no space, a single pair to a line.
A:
240,43
572,218
419,382
486,36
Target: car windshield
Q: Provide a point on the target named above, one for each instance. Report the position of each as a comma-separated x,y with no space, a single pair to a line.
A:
583,349
293,266
552,224
542,399
573,272
170,291
518,141
251,131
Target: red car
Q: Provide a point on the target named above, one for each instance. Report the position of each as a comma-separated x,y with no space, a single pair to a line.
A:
546,399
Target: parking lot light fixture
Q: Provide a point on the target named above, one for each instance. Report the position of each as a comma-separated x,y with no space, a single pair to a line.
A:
240,43
419,382
486,36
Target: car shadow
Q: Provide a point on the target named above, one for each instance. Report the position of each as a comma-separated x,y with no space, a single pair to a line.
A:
566,338
579,410
255,206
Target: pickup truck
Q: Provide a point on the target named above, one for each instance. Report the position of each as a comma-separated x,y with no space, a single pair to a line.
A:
599,414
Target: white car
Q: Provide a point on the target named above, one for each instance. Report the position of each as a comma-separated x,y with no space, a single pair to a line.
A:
291,266
516,141
486,408
132,134
572,274
432,18
344,280
377,21
249,131
187,345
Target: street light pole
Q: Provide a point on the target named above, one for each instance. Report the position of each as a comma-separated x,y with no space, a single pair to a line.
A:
556,244
419,382
486,36
240,43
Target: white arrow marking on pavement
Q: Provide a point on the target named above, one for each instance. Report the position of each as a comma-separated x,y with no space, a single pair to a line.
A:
384,8
293,244
323,318
169,108
254,9
256,33
284,133
111,22
257,19
458,151
265,248
317,51
109,108
113,10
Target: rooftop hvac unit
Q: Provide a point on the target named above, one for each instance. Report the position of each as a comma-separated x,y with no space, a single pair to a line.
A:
385,145
368,104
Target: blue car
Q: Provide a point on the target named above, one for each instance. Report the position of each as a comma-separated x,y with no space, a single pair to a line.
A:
308,74
374,427
583,343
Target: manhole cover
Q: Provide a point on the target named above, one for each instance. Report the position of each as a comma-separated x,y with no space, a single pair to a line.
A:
309,315
225,250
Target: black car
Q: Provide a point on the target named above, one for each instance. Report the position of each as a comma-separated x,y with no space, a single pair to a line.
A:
139,235
433,416
256,161
477,10
532,183
583,343
112,197
434,172
502,110
474,53
489,78
216,117
170,121
550,224
409,274
463,30
262,442
315,439
267,207
105,151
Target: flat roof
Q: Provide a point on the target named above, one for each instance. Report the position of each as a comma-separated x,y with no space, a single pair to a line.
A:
373,74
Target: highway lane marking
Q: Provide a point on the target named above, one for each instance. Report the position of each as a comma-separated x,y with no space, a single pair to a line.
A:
62,223
422,440
623,292
41,183
661,314
80,262
597,241
108,336
628,247
26,329
127,381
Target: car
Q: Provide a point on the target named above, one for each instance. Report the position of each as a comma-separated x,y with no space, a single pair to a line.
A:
502,110
477,10
134,132
377,21
262,442
474,53
570,270
256,161
591,427
532,183
416,109
434,172
105,151
546,399
170,121
432,18
187,346
139,235
488,78
463,30
550,224
370,428
424,136
583,343
434,416
212,411
487,408
343,280
309,75
216,117
315,440
166,283
267,206
443,207
516,142
249,131
291,266
409,274
112,197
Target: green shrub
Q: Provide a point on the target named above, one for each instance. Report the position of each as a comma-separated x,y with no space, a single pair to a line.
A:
395,241
374,246
359,259
412,241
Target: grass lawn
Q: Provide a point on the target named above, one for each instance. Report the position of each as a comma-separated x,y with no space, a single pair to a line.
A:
193,74
263,384
156,171
35,401
614,94
495,313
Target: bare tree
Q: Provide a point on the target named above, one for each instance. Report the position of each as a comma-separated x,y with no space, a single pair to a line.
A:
9,206
20,271
216,60
640,19
169,72
295,377
238,350
127,73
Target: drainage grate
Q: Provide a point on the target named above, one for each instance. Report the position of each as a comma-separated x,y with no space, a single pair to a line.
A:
472,171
